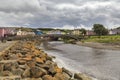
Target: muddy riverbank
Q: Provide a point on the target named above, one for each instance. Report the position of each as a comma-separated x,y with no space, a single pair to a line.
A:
99,45
102,64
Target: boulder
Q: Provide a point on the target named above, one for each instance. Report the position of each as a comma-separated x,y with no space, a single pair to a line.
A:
15,65
52,69
19,55
80,76
13,57
67,72
1,66
18,71
48,77
33,79
45,66
27,58
21,62
58,70
7,67
39,60
31,64
23,67
62,76
26,73
6,73
37,72
49,58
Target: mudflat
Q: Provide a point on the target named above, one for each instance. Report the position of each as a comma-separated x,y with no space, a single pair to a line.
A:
100,45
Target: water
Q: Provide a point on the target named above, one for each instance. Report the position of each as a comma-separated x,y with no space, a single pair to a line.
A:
99,63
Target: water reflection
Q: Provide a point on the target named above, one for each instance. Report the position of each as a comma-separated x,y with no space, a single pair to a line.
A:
97,53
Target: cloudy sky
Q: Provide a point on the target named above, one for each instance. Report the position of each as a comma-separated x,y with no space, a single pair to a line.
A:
59,13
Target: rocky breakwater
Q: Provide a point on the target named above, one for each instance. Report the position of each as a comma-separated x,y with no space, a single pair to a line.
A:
24,61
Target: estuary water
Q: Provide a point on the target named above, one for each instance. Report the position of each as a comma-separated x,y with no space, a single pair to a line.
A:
98,63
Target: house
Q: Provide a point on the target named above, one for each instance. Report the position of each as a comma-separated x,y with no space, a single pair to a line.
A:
38,32
55,32
76,32
2,32
23,33
114,31
90,32
5,31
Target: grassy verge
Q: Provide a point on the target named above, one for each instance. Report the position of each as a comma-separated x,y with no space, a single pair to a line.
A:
104,39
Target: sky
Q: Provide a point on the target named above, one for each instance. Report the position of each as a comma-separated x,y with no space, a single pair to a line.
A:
66,14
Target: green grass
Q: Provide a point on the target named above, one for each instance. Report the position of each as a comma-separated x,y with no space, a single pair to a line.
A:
104,39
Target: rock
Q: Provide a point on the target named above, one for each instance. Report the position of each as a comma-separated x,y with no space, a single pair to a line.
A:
7,66
62,76
48,77
67,72
6,73
19,55
45,66
39,60
37,72
31,64
17,78
23,52
33,79
23,67
15,65
1,66
80,76
26,73
27,58
49,58
36,52
13,57
17,71
48,62
21,62
52,69
58,70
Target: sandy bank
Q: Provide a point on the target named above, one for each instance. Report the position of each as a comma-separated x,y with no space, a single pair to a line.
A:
100,45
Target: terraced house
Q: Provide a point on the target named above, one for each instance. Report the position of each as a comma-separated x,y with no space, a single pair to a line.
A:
4,32
114,31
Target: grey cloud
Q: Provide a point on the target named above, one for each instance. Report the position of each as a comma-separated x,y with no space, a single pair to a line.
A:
54,13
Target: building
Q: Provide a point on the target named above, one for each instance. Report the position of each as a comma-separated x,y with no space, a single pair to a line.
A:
114,31
55,32
4,32
90,32
23,33
38,32
76,32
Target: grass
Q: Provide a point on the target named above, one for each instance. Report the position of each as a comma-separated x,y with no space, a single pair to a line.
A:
104,39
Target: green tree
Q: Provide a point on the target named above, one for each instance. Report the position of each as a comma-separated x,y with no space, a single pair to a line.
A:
83,31
99,29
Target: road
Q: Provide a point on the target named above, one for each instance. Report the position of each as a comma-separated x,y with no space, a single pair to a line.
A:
6,45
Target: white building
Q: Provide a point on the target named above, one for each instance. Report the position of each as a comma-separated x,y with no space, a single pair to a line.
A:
76,32
114,31
22,33
55,32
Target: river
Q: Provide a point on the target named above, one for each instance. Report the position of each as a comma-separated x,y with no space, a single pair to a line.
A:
98,63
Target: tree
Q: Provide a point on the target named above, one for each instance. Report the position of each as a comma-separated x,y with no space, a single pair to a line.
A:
83,31
99,29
